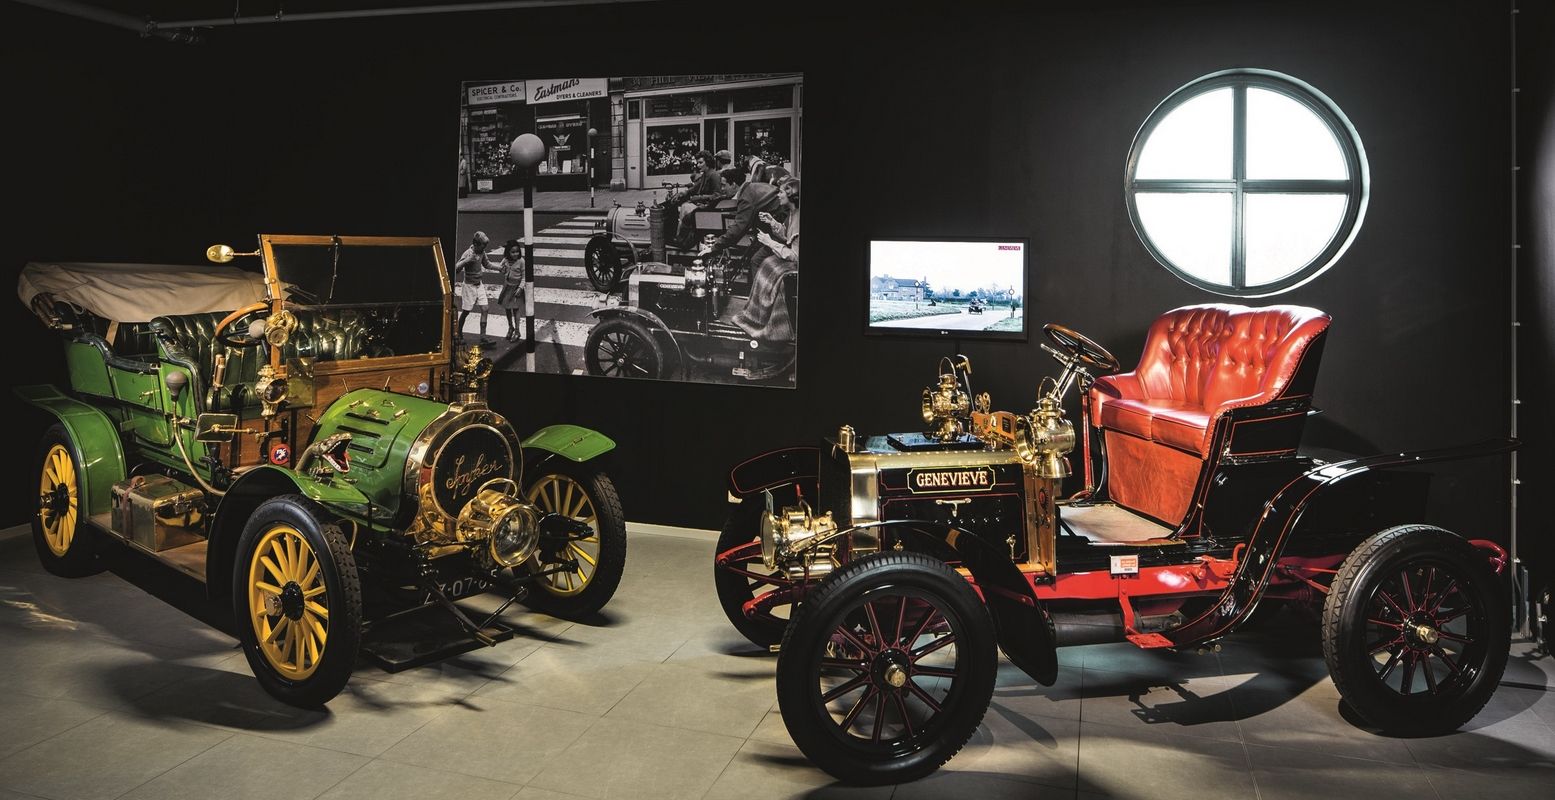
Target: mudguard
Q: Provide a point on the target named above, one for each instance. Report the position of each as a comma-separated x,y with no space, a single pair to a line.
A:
571,442
654,323
775,468
96,440
1282,514
1024,629
256,486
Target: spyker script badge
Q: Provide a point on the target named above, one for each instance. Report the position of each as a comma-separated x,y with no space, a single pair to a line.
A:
469,459
964,479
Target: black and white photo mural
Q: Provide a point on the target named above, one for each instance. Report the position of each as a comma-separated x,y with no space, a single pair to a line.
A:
637,227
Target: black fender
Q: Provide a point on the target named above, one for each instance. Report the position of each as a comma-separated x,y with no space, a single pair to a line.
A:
1024,629
1281,516
789,465
655,325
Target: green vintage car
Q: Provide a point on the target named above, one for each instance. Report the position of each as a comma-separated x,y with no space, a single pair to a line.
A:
296,429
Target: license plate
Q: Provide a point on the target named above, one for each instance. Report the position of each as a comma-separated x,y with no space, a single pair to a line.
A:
463,587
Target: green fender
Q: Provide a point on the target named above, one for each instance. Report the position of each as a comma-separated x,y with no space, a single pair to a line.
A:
247,493
571,442
339,496
96,440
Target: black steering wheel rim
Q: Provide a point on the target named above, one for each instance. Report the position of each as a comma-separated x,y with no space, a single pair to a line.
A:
1081,348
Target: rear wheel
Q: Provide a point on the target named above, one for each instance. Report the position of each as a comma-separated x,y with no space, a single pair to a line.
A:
887,669
297,601
59,532
586,494
624,348
1416,630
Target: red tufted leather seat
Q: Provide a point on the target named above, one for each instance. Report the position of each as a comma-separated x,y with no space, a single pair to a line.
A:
1198,363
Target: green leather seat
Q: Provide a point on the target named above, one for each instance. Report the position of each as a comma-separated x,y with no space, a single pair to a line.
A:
329,335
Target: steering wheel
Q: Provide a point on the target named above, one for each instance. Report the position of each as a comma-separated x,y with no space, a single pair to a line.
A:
239,339
1079,348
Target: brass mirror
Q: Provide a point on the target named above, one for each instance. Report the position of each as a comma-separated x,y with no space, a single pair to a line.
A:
221,253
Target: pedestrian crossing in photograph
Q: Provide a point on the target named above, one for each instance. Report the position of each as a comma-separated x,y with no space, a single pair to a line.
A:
563,299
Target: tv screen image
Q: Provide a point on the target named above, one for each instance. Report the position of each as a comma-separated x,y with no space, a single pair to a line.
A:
960,288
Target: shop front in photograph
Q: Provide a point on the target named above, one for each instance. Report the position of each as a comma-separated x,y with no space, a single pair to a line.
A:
561,111
669,119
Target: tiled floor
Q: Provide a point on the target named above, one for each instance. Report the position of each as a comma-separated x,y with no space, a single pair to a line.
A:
107,692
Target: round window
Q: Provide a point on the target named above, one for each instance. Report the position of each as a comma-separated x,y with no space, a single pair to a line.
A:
1247,183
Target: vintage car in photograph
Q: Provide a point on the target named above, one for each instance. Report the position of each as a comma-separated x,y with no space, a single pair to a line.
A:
301,436
675,308
885,569
629,236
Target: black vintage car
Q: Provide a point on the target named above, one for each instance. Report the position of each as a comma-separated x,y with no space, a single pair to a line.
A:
889,570
676,308
675,318
629,236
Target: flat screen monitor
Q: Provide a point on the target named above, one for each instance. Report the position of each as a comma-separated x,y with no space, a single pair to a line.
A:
962,288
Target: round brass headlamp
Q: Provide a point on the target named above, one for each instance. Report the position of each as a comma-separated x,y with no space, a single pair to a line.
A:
771,534
509,526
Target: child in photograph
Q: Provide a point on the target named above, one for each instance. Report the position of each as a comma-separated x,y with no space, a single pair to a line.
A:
467,281
511,297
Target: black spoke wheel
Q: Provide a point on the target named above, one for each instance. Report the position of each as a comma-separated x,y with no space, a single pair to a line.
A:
740,577
623,348
602,263
887,669
1416,630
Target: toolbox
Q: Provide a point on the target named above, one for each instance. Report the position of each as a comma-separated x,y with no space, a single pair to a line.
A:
158,512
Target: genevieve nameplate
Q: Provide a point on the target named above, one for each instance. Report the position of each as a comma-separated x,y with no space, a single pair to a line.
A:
963,479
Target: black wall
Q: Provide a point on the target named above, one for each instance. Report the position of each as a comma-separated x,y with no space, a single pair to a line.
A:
981,121
1536,233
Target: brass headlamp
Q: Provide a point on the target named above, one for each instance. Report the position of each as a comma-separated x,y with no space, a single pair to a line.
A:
509,526
785,532
1043,437
944,407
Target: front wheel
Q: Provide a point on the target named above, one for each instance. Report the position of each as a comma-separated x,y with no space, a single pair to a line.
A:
740,576
602,263
624,348
887,669
59,533
1416,631
586,494
297,601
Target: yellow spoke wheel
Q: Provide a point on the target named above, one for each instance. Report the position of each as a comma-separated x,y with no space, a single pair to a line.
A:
561,494
60,533
288,603
297,600
59,504
584,493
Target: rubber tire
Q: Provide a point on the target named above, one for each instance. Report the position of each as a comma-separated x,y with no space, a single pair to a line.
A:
611,524
82,558
734,590
342,585
602,264
660,366
807,636
1344,630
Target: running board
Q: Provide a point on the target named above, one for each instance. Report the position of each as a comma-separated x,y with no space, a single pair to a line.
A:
188,559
